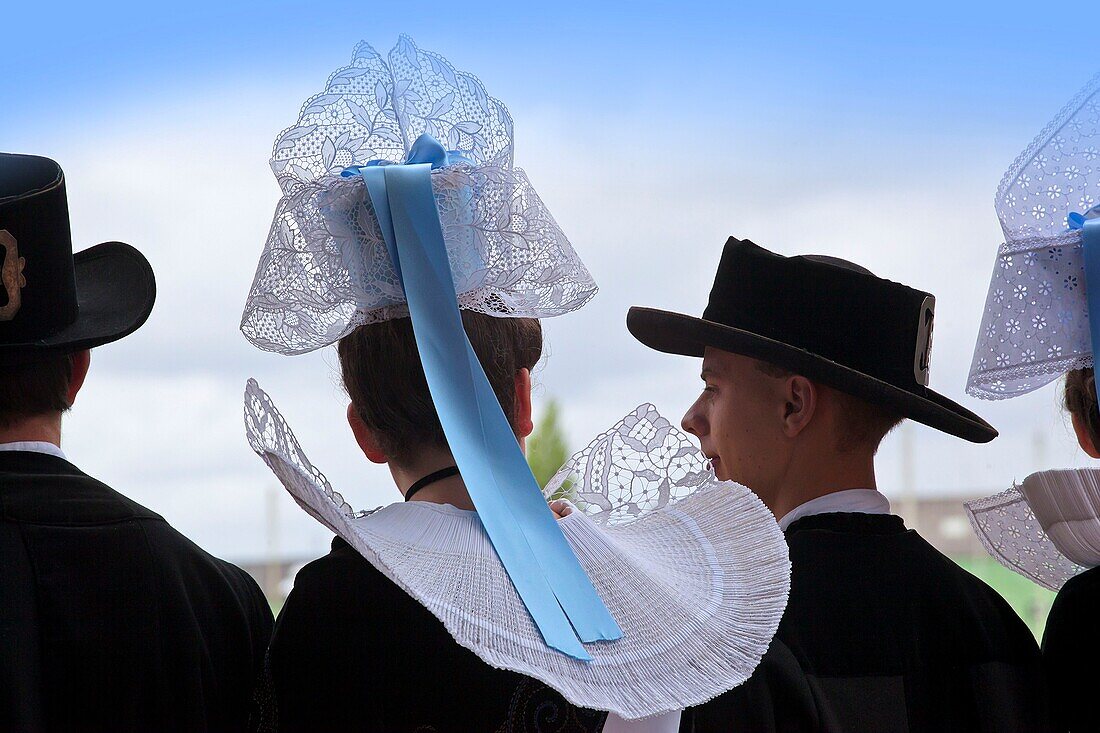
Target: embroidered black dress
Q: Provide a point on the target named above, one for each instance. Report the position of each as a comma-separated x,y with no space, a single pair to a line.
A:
1071,649
883,633
110,620
352,651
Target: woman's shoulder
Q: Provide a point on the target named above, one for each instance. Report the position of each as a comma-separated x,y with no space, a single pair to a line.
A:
342,577
1084,585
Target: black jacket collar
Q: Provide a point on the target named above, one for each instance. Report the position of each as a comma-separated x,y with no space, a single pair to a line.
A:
41,488
849,522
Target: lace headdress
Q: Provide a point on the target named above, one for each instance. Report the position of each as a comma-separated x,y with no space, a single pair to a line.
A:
1046,529
325,269
1041,320
696,570
1036,323
378,220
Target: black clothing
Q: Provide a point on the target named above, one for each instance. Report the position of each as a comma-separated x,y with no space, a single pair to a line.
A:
1071,650
352,651
110,620
883,633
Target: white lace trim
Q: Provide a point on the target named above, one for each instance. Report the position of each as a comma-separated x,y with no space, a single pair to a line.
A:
325,269
1007,527
1035,321
694,570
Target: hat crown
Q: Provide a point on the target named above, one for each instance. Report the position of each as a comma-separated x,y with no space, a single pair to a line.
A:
827,307
37,280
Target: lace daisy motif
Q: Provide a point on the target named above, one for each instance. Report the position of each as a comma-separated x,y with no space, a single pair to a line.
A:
1047,528
1036,323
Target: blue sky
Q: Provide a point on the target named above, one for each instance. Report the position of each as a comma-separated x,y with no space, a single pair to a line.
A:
652,131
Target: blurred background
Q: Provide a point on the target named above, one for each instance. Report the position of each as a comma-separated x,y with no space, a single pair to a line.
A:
652,131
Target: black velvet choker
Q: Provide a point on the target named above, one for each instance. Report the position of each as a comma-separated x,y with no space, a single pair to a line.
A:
431,478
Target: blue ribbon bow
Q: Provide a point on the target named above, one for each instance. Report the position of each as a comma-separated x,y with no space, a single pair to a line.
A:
542,566
1089,225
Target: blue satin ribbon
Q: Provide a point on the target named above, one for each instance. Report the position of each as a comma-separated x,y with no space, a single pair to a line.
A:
1090,249
542,566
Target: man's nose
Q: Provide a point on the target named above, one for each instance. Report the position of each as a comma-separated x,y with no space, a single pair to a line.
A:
693,421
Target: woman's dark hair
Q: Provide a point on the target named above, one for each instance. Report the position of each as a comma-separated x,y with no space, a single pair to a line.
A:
35,388
383,376
1080,400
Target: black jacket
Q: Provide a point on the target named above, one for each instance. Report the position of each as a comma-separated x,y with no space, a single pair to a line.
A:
883,633
1071,649
353,652
110,620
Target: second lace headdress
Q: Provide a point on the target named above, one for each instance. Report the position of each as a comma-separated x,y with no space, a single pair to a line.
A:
1041,320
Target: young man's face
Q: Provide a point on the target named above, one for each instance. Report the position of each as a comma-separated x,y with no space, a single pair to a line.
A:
738,419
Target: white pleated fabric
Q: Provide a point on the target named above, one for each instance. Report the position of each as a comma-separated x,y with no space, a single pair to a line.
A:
694,570
1046,528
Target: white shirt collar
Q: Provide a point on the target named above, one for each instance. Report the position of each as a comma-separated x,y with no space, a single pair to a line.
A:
862,501
35,446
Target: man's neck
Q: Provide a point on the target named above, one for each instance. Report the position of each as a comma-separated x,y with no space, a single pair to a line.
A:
40,428
822,476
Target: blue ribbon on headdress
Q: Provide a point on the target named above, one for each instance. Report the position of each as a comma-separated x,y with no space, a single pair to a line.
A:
542,566
1089,224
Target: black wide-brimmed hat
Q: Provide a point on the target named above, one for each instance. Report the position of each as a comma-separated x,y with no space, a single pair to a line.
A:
50,299
824,318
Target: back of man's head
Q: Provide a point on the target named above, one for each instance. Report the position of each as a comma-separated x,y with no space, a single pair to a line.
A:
34,389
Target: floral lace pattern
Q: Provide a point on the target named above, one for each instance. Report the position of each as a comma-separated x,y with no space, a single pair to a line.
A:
1012,535
642,463
272,440
325,269
1035,326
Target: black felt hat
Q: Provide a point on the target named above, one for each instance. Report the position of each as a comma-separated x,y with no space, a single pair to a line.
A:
50,299
824,318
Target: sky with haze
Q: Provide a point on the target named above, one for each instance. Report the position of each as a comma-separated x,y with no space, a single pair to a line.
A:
652,131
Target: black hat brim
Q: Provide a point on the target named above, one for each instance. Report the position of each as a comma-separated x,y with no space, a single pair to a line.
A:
676,333
115,292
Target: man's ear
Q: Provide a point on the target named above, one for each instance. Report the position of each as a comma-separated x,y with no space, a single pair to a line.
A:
1083,437
81,361
799,404
364,436
522,422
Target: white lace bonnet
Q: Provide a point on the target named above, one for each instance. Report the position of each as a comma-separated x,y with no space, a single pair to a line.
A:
325,270
1046,529
1034,329
1036,323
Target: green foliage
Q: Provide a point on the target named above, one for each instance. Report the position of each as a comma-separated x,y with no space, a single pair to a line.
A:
546,448
1031,602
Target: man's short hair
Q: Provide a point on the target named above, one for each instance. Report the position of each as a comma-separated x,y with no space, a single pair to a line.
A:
863,424
39,387
383,376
